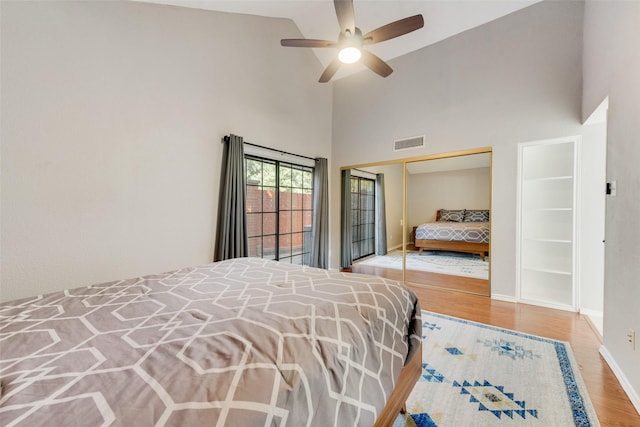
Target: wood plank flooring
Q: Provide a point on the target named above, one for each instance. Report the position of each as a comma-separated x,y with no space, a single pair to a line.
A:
447,281
457,283
611,403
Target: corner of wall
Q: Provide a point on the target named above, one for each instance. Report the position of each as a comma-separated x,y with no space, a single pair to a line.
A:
633,394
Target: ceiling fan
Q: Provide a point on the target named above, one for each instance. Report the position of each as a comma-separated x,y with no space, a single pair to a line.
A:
351,42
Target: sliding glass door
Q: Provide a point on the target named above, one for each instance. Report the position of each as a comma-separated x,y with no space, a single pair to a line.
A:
279,210
362,217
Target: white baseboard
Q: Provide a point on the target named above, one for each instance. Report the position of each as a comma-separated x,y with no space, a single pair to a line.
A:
506,298
624,382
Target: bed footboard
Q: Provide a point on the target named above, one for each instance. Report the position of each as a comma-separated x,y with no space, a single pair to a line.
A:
406,381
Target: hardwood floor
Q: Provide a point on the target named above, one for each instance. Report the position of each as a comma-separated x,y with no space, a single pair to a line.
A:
457,283
612,405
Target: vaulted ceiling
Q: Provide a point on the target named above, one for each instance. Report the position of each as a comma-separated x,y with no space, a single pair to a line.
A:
316,19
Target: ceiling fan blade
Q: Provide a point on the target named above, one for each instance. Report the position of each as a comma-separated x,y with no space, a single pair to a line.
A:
376,64
394,29
331,69
345,14
306,43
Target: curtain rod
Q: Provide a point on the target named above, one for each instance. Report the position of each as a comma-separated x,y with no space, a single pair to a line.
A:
226,139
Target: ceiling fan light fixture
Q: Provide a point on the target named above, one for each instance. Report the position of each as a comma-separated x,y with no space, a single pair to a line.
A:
349,55
350,41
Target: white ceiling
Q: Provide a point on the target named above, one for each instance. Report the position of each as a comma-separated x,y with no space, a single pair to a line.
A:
316,19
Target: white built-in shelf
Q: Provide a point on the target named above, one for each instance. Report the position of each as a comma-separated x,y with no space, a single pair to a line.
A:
547,270
546,212
542,239
550,209
549,178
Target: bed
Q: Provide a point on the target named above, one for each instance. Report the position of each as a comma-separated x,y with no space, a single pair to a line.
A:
244,342
463,230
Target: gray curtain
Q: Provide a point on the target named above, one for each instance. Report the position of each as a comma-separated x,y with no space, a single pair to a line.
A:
231,239
320,230
381,219
345,221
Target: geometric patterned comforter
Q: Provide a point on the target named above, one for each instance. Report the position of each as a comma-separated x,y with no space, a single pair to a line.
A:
476,232
244,342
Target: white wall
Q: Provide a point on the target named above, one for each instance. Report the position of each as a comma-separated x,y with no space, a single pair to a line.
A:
514,79
459,189
393,179
592,219
612,68
112,117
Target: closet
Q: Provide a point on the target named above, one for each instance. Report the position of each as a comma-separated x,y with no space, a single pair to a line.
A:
416,188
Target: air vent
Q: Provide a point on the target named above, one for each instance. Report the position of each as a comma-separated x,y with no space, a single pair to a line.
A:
408,143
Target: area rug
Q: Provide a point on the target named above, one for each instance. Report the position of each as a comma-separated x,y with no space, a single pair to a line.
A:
479,375
455,263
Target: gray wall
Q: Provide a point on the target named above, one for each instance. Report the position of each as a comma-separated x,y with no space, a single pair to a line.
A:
459,189
512,80
612,68
112,116
393,178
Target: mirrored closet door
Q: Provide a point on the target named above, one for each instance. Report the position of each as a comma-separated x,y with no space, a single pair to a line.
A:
372,224
451,192
448,205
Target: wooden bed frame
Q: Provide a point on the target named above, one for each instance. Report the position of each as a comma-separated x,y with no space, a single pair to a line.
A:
406,381
453,246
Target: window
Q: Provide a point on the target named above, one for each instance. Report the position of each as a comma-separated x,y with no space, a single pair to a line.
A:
279,210
362,217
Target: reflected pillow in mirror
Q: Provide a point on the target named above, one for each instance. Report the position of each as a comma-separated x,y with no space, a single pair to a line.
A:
480,215
447,215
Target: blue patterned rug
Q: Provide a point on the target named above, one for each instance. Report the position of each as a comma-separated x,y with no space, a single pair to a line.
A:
480,375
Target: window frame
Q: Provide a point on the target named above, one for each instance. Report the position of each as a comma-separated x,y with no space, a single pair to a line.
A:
289,245
358,243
